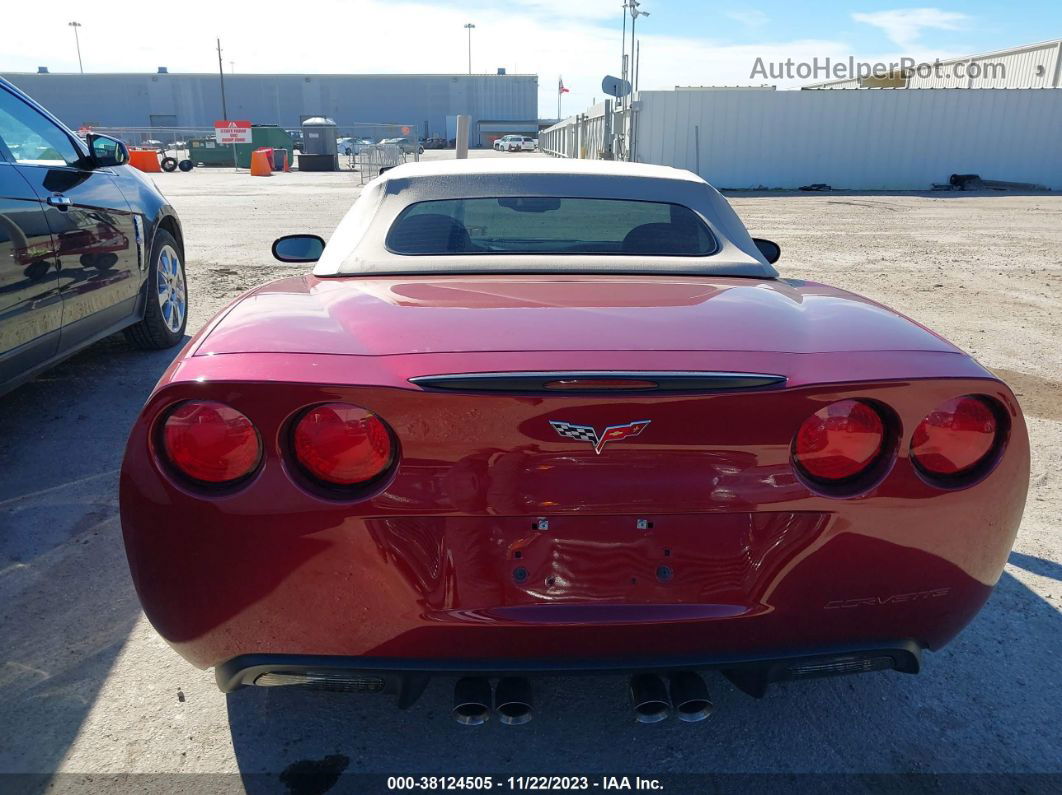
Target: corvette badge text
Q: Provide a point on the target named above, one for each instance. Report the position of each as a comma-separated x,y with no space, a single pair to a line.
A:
587,433
878,601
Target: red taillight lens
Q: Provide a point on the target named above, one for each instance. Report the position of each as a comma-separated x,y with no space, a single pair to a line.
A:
839,441
955,437
211,442
342,444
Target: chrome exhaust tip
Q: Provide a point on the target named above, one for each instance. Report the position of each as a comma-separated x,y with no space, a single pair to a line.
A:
690,696
512,701
649,698
471,701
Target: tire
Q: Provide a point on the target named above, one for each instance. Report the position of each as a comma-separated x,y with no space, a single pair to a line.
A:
186,165
169,164
166,314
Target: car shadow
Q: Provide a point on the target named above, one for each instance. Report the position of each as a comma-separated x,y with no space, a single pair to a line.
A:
982,705
1031,563
67,603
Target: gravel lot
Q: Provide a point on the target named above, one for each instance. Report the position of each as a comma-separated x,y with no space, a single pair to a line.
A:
89,689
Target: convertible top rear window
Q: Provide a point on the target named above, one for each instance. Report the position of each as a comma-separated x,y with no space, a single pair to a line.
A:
548,225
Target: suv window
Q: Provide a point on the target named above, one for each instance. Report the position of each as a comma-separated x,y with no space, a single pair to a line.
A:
32,139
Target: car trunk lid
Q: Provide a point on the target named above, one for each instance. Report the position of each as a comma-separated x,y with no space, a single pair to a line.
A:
466,314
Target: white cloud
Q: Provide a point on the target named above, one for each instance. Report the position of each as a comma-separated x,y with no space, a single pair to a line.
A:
904,26
749,17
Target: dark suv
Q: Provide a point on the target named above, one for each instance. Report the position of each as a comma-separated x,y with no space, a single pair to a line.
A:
88,246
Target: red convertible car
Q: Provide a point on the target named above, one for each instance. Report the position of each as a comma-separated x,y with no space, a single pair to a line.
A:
538,416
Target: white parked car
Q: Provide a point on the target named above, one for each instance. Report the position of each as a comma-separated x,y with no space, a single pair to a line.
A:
515,143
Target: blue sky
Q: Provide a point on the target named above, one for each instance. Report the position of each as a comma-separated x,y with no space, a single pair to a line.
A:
975,25
683,42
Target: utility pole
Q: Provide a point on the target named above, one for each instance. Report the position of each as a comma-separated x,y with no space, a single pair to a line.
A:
77,42
469,27
635,68
635,13
630,65
623,50
221,75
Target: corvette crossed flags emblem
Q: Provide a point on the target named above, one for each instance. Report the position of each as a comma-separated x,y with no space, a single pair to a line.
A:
587,433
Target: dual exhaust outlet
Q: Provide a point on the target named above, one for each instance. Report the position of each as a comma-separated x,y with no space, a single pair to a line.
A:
511,700
652,697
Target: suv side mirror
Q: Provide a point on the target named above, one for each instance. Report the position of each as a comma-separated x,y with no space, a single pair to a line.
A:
106,151
771,251
298,248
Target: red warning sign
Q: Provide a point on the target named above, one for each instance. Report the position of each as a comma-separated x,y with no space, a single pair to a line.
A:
228,131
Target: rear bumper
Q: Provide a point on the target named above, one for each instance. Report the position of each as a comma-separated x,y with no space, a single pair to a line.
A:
407,678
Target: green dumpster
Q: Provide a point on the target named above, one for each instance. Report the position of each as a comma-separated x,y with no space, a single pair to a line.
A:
207,152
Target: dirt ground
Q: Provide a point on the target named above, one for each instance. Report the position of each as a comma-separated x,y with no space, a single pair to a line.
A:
88,688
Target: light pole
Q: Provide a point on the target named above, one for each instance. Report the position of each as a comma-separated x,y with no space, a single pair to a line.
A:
623,50
633,79
77,41
635,13
469,27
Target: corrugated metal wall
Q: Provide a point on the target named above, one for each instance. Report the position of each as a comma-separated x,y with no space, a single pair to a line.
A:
872,140
130,100
1034,66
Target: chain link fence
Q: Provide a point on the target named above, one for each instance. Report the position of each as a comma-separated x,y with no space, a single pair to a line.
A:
168,141
368,147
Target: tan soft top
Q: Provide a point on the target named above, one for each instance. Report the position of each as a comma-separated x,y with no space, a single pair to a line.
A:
357,245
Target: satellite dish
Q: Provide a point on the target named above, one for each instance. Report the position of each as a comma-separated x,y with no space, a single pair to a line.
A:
615,87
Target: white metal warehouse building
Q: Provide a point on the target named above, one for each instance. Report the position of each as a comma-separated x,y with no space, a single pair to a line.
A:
888,139
1029,66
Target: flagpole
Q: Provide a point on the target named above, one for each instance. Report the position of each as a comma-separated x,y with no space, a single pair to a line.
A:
560,82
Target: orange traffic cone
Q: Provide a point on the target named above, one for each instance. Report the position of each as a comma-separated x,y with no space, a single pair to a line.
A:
260,166
287,168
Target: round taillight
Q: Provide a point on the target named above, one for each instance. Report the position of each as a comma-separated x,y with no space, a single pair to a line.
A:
955,437
839,441
342,444
211,442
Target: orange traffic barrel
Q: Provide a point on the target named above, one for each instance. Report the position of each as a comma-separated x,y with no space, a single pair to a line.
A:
261,162
145,160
